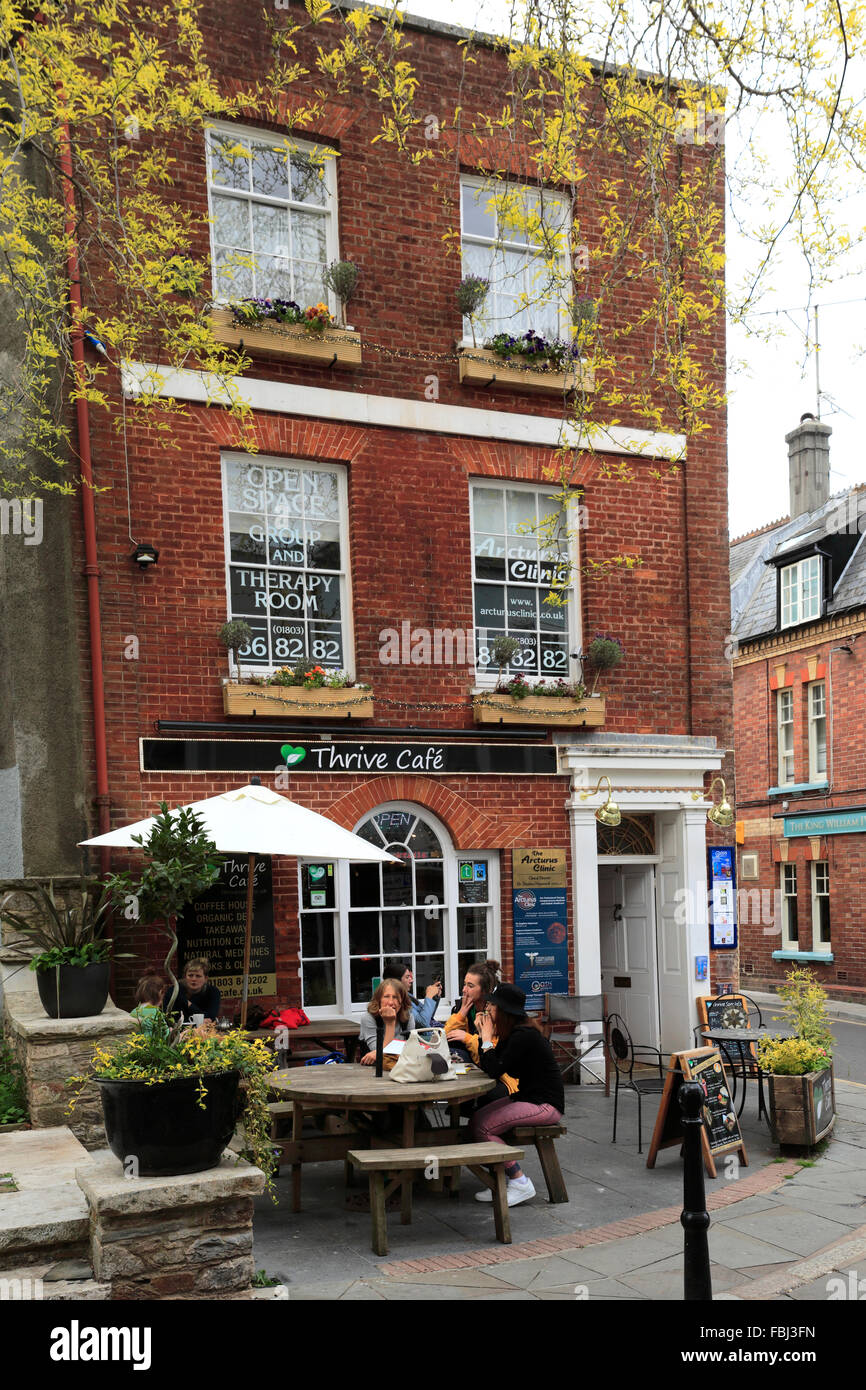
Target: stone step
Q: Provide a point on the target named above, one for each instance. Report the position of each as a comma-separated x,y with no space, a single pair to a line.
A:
65,1280
46,1217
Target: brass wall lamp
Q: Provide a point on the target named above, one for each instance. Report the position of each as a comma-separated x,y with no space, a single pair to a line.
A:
609,813
721,813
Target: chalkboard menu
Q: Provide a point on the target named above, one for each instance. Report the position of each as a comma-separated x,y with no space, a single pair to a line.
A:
721,1127
213,927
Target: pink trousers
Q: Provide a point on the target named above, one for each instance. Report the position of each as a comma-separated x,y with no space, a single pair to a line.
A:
492,1121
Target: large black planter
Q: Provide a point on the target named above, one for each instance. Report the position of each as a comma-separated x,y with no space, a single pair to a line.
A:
83,989
164,1129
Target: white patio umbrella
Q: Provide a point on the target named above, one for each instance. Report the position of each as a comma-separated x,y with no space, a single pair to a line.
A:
254,820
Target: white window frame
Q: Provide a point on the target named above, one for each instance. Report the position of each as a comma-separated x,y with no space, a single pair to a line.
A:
793,580
488,329
453,982
788,881
784,733
320,154
345,573
820,883
486,677
813,691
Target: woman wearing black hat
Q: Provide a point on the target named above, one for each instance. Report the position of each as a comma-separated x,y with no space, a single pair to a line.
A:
523,1052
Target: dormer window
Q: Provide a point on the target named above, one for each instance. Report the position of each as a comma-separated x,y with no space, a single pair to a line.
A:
801,591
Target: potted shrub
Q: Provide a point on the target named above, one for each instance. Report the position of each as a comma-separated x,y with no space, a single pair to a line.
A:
799,1070
340,278
602,654
234,636
171,1098
72,964
471,294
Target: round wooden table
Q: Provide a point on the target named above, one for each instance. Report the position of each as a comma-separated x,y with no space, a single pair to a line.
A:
356,1088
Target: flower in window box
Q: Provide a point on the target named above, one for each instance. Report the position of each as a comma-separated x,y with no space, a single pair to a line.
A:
315,678
317,318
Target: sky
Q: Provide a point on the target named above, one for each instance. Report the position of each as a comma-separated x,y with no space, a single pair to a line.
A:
769,385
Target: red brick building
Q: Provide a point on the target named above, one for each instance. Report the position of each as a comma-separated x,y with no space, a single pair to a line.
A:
799,612
396,495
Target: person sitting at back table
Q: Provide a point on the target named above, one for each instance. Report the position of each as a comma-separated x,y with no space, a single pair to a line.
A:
524,1053
390,1003
423,1010
195,995
148,999
461,1028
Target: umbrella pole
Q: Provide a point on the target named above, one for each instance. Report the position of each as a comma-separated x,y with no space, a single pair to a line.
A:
247,938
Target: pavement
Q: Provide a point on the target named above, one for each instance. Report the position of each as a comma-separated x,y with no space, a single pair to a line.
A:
789,1227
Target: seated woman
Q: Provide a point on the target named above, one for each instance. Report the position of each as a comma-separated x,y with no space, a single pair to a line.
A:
390,1003
423,1010
524,1053
195,995
461,1028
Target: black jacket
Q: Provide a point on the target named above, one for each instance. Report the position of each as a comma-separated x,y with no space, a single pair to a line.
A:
206,1002
528,1057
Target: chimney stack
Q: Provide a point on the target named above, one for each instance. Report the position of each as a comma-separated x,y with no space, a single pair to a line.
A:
808,465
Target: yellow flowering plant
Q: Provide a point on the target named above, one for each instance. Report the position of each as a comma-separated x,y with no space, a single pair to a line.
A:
167,1052
805,1011
792,1056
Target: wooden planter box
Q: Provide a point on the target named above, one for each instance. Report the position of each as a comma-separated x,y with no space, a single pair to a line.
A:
336,348
481,367
281,700
494,708
802,1108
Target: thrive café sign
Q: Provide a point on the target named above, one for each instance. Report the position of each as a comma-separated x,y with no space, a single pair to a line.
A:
324,756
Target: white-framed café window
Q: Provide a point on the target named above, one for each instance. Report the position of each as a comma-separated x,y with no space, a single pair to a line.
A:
524,543
785,730
817,698
518,238
272,202
821,936
424,910
287,561
790,925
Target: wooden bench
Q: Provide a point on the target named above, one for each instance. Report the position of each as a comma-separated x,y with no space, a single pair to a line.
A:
449,1159
542,1136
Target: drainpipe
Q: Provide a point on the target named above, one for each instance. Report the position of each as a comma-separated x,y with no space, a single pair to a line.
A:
91,565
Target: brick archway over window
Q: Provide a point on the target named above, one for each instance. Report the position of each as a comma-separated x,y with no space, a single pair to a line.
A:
468,827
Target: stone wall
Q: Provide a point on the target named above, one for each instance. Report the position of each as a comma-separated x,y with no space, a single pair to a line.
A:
189,1236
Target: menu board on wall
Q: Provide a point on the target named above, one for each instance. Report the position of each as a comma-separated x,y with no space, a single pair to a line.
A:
213,927
723,897
540,904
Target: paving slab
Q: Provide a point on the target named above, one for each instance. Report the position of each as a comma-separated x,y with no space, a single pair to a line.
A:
800,1232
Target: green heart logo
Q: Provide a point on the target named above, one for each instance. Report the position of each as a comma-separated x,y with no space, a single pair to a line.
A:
293,755
317,871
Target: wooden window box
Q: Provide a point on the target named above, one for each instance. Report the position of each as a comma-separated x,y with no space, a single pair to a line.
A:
338,347
280,700
495,708
481,367
802,1108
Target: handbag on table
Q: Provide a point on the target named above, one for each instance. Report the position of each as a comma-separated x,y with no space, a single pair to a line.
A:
425,1057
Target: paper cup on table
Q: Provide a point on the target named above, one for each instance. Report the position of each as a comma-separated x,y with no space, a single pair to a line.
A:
198,1019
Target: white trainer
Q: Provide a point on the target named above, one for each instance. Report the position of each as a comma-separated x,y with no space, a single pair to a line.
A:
517,1190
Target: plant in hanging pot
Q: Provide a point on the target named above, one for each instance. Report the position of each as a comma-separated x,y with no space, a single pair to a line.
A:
72,965
172,1097
799,1069
602,654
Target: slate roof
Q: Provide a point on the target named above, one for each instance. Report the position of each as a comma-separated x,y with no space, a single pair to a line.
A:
754,582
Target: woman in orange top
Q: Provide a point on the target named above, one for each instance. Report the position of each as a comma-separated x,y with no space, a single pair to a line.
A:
479,982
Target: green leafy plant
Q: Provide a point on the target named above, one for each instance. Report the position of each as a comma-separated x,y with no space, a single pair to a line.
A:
182,862
806,1007
471,294
63,929
235,635
502,649
169,1052
263,1280
792,1056
311,678
603,654
341,277
13,1094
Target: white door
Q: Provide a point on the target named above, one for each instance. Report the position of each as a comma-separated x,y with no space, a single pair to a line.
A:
629,975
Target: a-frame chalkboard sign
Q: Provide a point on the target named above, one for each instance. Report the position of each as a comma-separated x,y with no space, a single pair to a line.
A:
721,1129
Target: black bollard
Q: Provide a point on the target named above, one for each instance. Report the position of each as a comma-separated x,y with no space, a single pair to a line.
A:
380,1040
695,1219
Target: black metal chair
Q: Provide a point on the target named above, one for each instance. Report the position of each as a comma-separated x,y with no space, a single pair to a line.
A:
625,1056
571,1048
735,1011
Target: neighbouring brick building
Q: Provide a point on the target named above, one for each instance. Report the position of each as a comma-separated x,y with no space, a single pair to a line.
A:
393,492
799,614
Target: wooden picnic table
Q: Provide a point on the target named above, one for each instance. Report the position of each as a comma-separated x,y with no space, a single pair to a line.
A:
357,1089
324,1031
